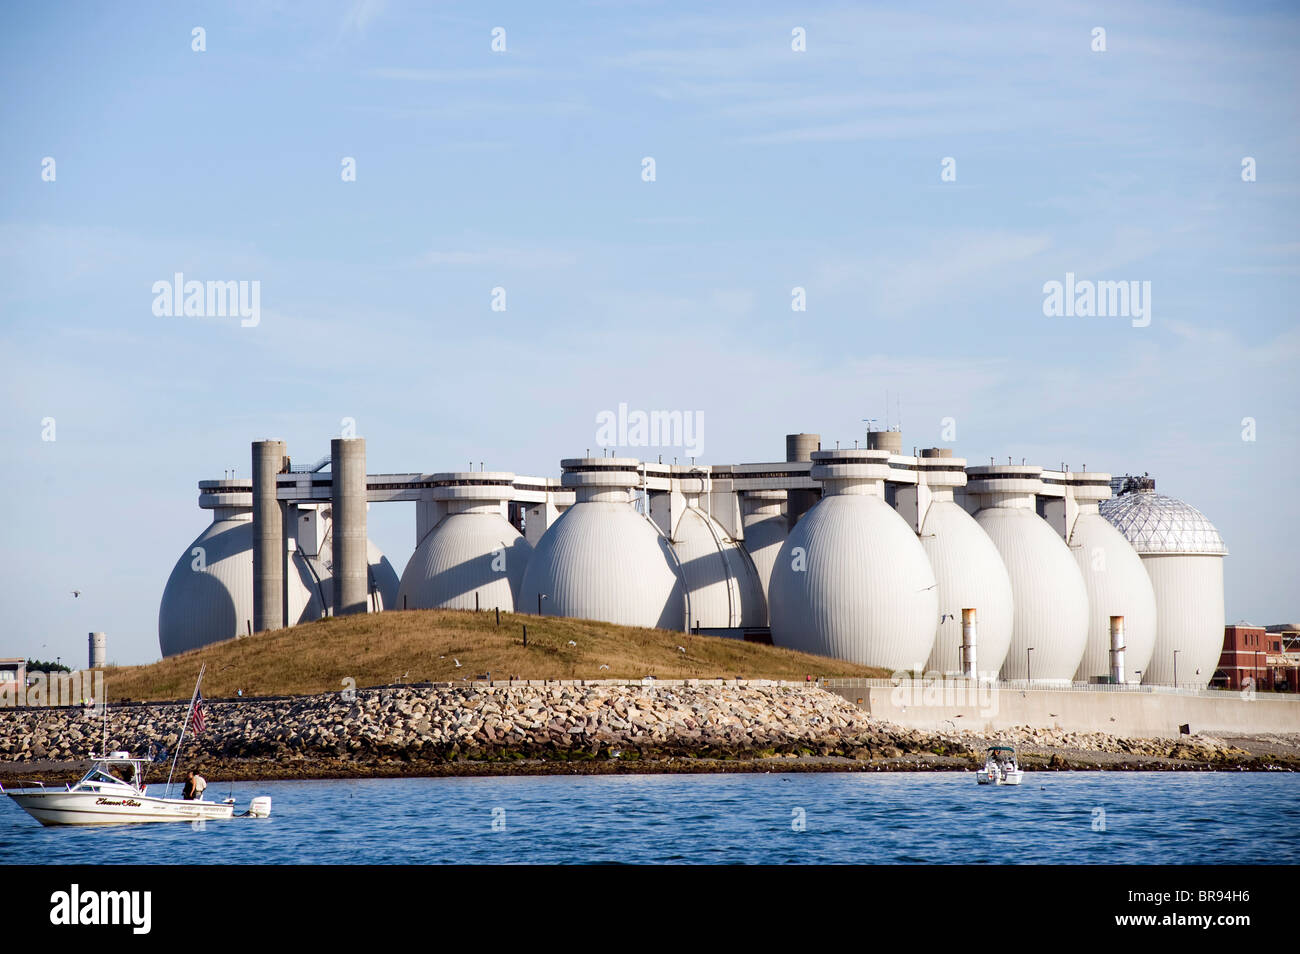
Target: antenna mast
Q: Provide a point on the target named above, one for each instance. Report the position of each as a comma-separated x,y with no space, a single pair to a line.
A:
185,724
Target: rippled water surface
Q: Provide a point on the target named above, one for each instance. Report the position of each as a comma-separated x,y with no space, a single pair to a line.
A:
1055,817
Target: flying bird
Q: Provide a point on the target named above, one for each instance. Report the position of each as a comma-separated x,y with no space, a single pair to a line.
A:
76,593
604,665
572,643
456,661
681,649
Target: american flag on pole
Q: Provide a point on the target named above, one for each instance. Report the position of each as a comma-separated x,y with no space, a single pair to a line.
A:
196,719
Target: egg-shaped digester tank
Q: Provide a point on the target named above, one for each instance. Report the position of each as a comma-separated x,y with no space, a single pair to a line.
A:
472,558
723,588
601,559
208,597
967,568
1050,603
852,581
1117,584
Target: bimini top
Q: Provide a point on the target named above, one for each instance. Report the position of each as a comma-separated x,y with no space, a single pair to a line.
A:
1154,523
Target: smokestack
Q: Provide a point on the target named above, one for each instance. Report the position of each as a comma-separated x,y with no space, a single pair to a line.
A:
1117,649
798,502
968,637
268,537
98,651
351,566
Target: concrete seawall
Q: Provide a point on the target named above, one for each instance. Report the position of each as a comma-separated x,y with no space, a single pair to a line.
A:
945,706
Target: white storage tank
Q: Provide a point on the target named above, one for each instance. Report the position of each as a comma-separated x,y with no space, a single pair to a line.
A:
209,595
601,559
1113,574
967,566
852,581
472,558
1183,556
1050,602
723,589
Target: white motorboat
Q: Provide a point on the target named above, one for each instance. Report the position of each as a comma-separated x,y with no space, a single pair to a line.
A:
113,792
1000,767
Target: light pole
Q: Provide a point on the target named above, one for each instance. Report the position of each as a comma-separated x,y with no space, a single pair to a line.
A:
1029,667
540,597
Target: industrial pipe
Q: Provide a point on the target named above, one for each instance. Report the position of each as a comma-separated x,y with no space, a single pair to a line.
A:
968,637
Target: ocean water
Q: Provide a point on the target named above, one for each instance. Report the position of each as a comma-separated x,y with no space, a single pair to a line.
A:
1053,818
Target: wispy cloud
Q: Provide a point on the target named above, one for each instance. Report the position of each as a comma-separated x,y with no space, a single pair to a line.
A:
467,75
507,257
360,14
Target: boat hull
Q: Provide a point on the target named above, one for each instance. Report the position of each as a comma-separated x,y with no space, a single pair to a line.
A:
102,808
994,777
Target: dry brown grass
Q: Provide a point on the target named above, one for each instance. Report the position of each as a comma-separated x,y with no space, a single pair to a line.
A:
422,646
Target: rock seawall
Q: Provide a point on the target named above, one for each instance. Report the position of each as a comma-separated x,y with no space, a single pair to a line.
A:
474,722
405,729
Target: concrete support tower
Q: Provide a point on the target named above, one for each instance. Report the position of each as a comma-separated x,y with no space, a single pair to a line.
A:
268,537
98,651
351,566
799,502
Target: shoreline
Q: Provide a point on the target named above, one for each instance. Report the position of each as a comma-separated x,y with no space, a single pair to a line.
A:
265,770
578,730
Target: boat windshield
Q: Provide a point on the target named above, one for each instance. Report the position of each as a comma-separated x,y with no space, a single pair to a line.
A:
114,773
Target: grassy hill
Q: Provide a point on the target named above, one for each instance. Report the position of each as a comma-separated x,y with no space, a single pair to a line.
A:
424,646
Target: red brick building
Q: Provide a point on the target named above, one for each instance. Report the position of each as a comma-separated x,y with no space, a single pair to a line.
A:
1245,656
1252,652
1284,656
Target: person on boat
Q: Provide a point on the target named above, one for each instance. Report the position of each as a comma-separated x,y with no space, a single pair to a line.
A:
187,792
200,783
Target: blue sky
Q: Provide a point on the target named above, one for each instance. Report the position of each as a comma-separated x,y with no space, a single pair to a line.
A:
522,169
